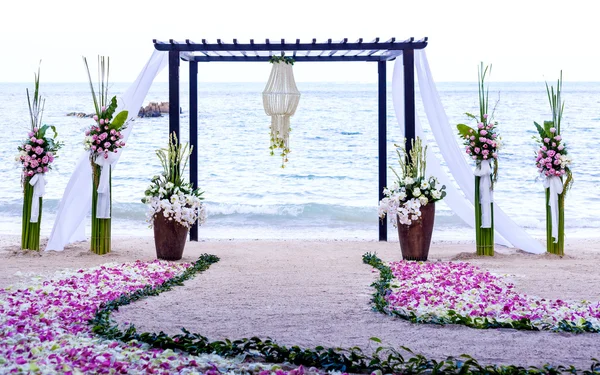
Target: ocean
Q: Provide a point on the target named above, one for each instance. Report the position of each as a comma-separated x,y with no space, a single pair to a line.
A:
329,188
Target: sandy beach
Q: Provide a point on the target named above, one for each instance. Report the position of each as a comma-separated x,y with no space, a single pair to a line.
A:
312,293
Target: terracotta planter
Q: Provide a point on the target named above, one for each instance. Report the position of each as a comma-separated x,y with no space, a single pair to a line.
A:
416,238
169,238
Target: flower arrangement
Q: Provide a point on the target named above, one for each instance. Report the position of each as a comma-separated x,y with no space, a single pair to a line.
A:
103,140
412,189
482,144
168,194
553,163
36,155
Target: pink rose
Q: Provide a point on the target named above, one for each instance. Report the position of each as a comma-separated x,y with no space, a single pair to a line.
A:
561,147
552,130
45,169
106,127
546,140
472,138
40,170
105,156
485,116
33,140
485,146
483,132
31,134
99,149
494,136
101,121
477,150
551,153
27,147
485,156
122,144
480,125
113,131
474,157
45,160
30,173
553,144
485,152
98,141
548,165
113,138
94,137
93,148
556,161
39,150
26,164
106,144
49,154
558,137
544,148
96,118
40,141
87,132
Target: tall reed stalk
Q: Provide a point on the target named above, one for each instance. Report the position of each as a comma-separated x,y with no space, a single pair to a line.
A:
30,232
101,228
484,237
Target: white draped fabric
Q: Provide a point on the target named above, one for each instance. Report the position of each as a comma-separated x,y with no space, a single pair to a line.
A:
460,201
77,199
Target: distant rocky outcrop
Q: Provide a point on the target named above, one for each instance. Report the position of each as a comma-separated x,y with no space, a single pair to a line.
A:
154,109
80,114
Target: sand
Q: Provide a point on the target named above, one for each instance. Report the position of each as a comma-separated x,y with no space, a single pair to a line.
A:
312,293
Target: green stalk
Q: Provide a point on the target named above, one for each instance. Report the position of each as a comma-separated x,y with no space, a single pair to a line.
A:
484,237
30,232
557,248
101,233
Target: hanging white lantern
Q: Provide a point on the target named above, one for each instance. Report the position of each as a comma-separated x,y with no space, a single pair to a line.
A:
280,100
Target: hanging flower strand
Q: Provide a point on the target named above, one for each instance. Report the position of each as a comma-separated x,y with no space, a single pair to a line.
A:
280,100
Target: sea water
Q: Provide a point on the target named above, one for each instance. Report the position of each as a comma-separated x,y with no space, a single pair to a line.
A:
329,187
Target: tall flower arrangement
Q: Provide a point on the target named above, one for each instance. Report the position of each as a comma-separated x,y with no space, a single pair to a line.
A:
103,140
553,163
36,155
482,144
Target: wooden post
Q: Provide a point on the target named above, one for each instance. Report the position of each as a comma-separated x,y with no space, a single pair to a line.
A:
194,136
174,93
409,97
382,136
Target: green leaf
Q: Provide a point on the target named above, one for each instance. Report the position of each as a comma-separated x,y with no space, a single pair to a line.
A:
119,120
540,130
375,339
465,130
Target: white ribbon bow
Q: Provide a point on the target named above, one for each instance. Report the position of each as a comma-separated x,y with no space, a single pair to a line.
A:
103,203
556,187
38,181
486,197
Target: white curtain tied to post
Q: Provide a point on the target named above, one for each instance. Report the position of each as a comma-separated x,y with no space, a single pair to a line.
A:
38,181
486,195
280,100
103,203
554,183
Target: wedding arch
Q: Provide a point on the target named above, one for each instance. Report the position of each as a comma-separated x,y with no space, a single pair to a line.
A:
374,51
409,54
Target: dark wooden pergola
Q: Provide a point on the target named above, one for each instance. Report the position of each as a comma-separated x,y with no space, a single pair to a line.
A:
374,51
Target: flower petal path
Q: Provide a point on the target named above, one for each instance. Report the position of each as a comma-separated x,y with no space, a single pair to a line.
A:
459,292
312,293
44,327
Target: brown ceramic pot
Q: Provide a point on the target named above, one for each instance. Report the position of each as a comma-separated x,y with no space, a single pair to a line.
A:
169,238
416,238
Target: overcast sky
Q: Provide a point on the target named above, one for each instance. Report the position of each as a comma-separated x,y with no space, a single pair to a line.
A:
525,40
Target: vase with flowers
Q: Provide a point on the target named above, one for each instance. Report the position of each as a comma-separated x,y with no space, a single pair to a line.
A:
36,155
409,202
482,144
103,140
553,163
174,204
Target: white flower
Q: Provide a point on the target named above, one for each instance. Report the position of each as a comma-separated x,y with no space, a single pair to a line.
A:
401,195
565,161
435,194
423,200
416,192
409,181
424,185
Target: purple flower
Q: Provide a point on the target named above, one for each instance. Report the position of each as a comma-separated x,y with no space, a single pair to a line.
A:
483,132
546,140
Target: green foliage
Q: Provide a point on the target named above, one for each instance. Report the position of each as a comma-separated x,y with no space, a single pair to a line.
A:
465,131
278,59
556,104
36,107
100,99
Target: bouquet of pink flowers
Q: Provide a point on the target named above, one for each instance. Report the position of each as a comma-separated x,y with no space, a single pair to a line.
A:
482,142
38,152
105,136
552,158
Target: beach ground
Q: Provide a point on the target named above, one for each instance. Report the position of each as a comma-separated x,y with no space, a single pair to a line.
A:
310,293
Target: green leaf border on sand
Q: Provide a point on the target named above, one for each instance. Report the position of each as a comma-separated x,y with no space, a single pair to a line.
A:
383,360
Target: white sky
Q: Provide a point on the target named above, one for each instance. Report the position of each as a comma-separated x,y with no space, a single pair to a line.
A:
525,40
